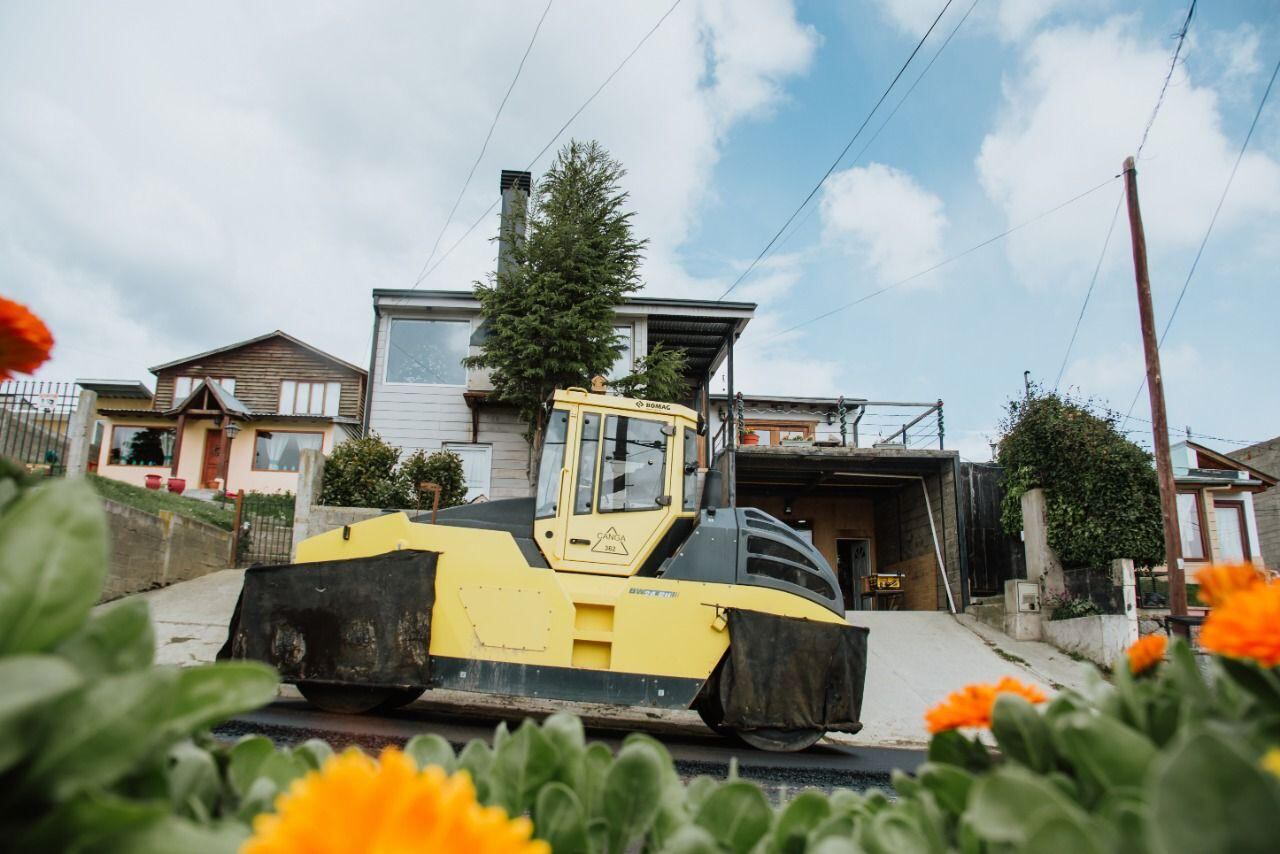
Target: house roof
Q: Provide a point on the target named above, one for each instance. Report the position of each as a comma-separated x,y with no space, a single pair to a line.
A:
1207,474
227,401
118,389
275,334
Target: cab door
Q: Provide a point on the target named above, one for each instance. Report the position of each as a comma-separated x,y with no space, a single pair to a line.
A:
621,493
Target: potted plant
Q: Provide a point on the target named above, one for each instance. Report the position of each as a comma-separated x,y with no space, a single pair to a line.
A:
152,481
177,485
749,437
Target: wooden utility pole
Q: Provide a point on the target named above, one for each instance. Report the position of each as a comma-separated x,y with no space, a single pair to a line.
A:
1155,387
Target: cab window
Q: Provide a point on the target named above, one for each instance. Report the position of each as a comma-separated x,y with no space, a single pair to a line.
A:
633,470
587,457
552,463
689,501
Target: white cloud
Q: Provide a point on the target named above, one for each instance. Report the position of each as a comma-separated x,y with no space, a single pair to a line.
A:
883,216
1115,375
1011,20
1234,54
178,178
1072,112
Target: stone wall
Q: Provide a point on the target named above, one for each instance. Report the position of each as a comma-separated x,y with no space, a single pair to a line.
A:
156,550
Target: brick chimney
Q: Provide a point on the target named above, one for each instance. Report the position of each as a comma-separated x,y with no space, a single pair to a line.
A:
515,188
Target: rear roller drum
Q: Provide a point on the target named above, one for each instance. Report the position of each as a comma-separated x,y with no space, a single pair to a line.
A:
710,707
355,699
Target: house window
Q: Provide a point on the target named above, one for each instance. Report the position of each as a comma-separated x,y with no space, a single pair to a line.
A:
1233,538
633,470
781,432
427,352
279,450
1191,526
182,386
141,446
625,363
303,397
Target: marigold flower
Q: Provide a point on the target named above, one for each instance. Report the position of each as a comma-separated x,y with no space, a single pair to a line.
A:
1220,581
971,706
357,804
1246,625
25,341
1146,653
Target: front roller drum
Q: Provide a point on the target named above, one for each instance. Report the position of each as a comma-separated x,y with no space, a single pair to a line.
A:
710,707
356,699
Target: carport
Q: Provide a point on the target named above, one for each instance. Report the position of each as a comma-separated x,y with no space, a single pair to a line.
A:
885,518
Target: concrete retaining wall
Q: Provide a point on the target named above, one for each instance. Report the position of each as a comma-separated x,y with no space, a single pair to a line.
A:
1102,639
155,550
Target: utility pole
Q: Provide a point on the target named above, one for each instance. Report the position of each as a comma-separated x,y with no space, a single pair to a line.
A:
1155,387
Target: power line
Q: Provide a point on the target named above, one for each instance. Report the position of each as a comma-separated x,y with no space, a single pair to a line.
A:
1164,88
857,157
553,139
1208,231
484,146
944,262
841,155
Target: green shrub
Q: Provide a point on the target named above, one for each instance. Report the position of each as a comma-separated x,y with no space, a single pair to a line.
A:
1068,607
1102,499
363,473
441,467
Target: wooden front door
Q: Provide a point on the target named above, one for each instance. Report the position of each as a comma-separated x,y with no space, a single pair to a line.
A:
213,451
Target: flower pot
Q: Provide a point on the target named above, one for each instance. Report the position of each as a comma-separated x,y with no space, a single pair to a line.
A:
153,481
177,485
751,439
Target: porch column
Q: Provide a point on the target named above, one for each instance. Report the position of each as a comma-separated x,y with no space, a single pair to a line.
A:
177,445
225,442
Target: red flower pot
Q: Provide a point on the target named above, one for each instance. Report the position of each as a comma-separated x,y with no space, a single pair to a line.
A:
751,439
177,485
153,481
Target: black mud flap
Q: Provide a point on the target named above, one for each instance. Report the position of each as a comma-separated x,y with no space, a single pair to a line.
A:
788,673
365,621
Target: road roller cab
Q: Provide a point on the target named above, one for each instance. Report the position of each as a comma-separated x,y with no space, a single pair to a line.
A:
614,583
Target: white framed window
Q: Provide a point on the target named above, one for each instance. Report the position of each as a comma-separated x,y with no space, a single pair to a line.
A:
626,359
427,352
182,386
477,463
309,397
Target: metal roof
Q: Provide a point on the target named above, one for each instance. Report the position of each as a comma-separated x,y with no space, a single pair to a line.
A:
118,389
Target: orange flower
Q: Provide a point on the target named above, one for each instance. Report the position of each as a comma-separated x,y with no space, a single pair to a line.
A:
25,341
971,706
1246,625
1146,653
354,804
1220,581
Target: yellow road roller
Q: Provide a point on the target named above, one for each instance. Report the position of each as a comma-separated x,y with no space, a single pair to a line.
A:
613,584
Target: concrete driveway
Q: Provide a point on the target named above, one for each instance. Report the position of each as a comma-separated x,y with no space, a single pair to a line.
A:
914,660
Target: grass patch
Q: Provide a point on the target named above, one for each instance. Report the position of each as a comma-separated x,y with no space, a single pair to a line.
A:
155,500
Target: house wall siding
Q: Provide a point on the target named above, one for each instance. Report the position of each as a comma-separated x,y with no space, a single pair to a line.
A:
414,417
258,370
1265,456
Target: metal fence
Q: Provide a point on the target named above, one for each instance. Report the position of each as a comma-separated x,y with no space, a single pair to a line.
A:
263,528
35,421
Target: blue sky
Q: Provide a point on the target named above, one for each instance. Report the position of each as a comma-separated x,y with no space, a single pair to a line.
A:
175,177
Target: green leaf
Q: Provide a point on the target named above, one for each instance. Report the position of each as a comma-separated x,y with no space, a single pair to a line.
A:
522,764
1105,753
797,820
835,845
691,839
951,748
477,760
259,798
737,815
314,753
116,639
428,748
559,818
1021,733
194,784
949,784
1207,797
589,778
212,693
100,733
565,732
1263,684
54,542
840,824
244,760
1058,832
32,683
632,787
1003,804
895,832
172,833
282,769
84,821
